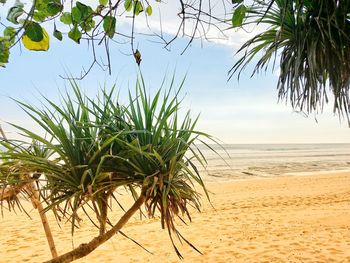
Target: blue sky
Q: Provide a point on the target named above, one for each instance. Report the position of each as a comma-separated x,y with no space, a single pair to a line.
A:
236,112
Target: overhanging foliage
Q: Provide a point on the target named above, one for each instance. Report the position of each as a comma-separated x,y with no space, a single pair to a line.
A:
311,38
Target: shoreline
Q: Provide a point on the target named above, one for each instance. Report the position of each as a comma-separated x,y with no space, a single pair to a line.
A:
313,173
284,219
237,178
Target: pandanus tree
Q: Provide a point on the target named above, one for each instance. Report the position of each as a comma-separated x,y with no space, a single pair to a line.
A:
17,179
99,146
311,39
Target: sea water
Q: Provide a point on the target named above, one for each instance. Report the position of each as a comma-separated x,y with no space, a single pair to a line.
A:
236,161
266,160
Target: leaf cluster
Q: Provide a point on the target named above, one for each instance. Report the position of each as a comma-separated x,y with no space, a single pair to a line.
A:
82,20
93,147
311,38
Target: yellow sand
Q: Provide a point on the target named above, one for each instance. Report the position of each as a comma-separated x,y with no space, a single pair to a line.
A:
286,219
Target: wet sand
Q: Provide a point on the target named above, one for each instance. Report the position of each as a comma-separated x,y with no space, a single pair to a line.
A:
282,219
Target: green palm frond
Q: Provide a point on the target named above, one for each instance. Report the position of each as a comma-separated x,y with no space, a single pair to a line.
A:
94,146
312,39
75,171
160,145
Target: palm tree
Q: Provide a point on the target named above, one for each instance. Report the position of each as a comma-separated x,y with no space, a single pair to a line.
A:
312,39
99,146
16,179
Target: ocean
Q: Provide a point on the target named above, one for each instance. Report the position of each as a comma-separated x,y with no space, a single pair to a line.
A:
238,161
267,160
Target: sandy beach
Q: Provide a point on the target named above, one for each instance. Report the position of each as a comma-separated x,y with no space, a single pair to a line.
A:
281,219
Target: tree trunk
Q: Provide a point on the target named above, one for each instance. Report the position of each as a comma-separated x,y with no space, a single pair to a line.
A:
85,249
34,197
102,217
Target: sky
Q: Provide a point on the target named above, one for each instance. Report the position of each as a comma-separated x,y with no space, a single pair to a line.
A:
244,111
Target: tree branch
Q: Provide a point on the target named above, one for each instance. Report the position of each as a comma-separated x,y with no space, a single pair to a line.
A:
85,249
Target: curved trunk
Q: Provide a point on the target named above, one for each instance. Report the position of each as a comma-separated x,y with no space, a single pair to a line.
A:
85,249
11,192
34,197
102,217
